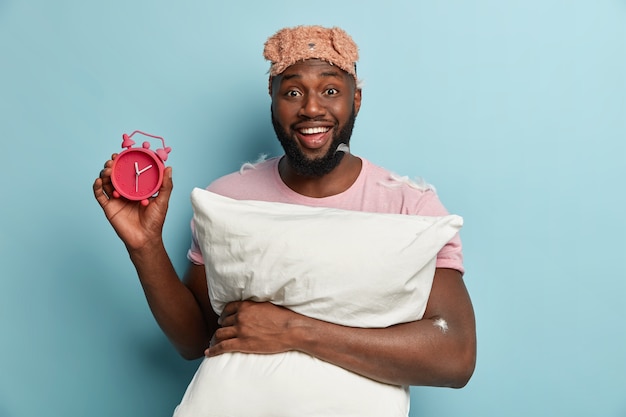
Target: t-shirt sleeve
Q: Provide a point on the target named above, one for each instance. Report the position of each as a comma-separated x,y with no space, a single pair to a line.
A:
194,254
451,255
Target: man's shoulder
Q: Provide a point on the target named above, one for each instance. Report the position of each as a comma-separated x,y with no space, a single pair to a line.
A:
386,191
389,179
252,177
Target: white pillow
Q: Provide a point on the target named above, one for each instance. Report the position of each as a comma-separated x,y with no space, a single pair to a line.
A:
347,267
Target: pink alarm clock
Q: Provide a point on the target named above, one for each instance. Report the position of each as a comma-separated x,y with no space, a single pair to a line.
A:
137,173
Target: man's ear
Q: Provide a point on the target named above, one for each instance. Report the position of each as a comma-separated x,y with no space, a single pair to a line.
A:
269,85
357,100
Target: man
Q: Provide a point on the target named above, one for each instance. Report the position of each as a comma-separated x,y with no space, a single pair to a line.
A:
315,99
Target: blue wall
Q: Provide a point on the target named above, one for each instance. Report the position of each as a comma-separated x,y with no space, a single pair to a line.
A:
515,110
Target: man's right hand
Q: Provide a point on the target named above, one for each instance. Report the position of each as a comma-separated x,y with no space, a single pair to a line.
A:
135,224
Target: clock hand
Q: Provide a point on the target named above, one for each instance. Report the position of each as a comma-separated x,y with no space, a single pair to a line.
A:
138,172
144,170
136,177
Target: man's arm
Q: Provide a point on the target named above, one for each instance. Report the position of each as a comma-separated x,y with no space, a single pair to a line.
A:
178,307
439,350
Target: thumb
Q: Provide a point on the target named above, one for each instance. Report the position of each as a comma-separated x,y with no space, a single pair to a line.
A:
166,187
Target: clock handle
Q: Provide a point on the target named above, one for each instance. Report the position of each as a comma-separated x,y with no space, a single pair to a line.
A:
161,153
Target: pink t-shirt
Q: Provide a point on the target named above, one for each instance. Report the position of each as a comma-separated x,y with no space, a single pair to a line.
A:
375,190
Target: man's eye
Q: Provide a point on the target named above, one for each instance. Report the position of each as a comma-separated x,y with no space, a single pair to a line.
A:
292,93
332,91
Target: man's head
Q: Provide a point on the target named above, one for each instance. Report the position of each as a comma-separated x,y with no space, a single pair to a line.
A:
315,97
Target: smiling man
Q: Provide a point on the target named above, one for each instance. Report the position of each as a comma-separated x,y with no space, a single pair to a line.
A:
317,103
315,99
314,107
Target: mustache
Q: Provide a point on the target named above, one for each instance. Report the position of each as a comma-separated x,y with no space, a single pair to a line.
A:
315,119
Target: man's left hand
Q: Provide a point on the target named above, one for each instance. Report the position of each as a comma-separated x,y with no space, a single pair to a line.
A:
253,327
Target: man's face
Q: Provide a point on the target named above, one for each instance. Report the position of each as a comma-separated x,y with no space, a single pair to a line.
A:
314,106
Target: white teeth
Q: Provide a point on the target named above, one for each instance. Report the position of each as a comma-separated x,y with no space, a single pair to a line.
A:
313,130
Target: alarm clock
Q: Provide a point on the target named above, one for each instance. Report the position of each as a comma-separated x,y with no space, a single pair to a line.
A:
137,172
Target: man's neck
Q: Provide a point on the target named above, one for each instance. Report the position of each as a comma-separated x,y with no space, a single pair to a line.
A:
335,182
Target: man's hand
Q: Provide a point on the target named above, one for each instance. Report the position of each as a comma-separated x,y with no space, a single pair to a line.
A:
253,327
135,224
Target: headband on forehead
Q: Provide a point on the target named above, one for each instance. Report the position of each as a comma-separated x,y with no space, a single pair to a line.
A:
291,45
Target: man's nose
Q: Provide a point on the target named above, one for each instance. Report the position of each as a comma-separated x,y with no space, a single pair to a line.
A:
312,107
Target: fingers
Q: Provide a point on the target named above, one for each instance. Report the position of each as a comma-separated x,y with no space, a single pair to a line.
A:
228,311
99,184
103,183
224,333
106,169
224,340
231,308
98,192
227,317
166,187
162,197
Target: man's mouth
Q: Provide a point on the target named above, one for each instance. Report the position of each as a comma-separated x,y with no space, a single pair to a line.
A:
313,137
314,130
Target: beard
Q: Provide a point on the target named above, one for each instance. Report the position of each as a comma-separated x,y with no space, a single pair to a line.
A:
317,167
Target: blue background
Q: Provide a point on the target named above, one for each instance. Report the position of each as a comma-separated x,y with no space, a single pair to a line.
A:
515,110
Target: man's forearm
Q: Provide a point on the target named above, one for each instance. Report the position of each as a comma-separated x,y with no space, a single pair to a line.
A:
416,353
173,305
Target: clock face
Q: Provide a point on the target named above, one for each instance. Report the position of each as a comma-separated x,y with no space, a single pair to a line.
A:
137,174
